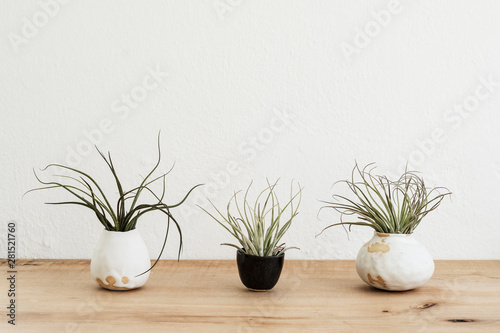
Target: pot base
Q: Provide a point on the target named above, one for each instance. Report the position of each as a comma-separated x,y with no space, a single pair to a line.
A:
111,284
257,290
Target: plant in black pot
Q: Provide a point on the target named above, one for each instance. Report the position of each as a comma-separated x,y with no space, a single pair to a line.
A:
258,228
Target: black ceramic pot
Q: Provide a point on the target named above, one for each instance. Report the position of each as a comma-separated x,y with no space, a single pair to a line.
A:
259,273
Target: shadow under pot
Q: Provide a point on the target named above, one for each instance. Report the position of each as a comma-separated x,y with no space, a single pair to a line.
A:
259,273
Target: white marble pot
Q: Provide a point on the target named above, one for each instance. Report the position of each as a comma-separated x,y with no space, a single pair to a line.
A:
117,260
394,262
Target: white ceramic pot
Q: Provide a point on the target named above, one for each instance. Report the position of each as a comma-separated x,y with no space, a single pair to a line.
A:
395,262
117,260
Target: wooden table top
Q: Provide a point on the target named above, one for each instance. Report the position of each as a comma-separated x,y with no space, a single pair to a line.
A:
207,296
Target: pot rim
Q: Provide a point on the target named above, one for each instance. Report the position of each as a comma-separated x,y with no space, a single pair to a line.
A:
388,234
119,232
282,254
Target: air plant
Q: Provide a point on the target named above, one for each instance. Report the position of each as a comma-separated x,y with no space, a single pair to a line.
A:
249,223
385,205
127,212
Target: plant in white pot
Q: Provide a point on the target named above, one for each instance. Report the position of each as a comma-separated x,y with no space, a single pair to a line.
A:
120,260
393,259
258,228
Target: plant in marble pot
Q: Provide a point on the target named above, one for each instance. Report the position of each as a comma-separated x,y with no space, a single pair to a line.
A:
258,227
120,260
393,259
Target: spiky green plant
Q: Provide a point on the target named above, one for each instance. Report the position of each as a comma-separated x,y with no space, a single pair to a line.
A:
127,212
387,206
249,223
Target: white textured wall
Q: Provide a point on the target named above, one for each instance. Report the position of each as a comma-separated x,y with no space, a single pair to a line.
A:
290,89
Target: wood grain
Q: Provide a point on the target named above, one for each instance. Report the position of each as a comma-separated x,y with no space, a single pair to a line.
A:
207,296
